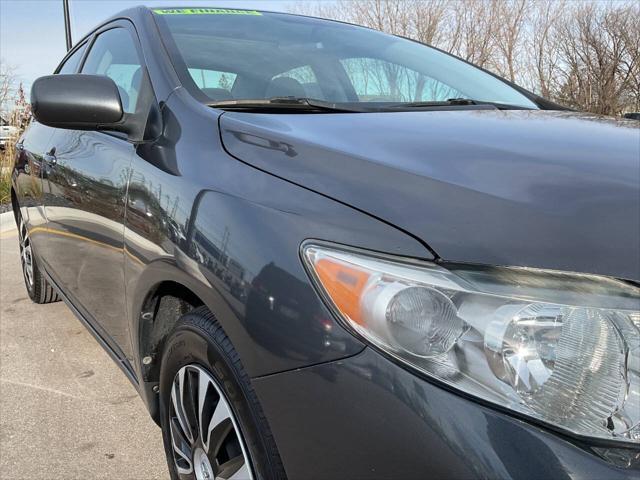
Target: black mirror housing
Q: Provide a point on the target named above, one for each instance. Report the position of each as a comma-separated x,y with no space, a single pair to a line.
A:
78,102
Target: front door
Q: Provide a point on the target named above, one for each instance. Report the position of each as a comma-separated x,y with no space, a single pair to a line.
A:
89,174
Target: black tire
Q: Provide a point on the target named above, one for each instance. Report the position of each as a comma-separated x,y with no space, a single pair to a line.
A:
198,339
38,287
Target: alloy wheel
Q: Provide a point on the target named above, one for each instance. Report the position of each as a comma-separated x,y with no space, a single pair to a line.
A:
207,443
26,254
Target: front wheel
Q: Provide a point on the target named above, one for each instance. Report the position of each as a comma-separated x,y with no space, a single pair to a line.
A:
212,424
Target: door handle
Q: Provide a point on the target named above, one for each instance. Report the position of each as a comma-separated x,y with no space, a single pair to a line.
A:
50,157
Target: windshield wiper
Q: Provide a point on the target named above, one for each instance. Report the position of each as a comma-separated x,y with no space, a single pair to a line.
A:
455,102
312,105
301,104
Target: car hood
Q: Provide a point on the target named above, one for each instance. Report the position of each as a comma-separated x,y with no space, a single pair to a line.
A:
543,189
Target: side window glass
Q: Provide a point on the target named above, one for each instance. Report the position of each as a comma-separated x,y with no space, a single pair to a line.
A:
215,84
212,78
73,62
376,80
114,54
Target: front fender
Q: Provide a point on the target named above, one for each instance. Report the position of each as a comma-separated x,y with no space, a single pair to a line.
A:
231,233
241,258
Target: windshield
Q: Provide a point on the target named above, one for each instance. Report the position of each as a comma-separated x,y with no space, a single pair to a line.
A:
223,54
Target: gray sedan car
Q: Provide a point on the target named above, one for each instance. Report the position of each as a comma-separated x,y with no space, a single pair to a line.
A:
319,251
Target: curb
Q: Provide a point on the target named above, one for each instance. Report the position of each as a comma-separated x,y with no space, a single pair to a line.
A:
7,222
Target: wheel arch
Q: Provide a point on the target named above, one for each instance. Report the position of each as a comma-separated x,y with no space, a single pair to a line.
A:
161,308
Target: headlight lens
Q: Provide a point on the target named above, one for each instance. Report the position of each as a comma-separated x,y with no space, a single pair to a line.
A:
563,348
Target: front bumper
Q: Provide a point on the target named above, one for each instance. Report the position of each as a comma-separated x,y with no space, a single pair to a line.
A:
365,417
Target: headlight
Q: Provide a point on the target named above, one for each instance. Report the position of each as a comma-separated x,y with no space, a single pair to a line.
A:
562,348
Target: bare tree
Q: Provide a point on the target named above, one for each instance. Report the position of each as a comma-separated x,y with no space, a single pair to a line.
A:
429,20
417,19
585,54
542,46
511,19
21,113
474,37
7,85
628,30
599,66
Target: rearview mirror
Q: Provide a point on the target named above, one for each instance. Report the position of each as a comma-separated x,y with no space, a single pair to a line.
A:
78,102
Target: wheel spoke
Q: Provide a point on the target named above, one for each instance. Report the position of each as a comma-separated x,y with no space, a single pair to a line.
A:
182,452
25,253
220,415
28,264
177,398
234,469
190,402
203,389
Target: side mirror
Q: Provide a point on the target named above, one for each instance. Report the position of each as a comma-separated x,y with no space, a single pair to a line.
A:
78,102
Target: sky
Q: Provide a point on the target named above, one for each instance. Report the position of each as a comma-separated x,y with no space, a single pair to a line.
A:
32,39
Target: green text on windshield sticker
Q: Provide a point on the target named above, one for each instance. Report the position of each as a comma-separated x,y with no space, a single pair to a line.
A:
204,11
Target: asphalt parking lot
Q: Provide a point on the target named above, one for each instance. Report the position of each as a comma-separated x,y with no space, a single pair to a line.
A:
66,410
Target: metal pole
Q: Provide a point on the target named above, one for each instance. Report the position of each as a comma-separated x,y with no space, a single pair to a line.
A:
67,23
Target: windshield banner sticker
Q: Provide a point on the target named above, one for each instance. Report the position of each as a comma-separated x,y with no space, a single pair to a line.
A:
204,11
